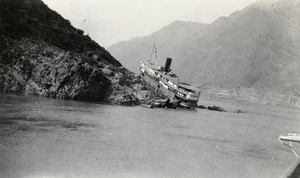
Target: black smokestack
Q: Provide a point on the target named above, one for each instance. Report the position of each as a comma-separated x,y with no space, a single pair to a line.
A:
168,64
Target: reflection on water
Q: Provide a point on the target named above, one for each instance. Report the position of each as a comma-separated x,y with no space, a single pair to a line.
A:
52,138
28,123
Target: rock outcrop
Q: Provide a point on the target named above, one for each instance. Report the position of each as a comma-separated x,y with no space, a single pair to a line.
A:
42,54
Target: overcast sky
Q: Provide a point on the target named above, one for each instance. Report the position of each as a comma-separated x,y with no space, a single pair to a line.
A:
110,21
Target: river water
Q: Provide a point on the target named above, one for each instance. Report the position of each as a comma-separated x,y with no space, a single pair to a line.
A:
52,138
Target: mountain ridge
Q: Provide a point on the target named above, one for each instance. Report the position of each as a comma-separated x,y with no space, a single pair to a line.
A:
146,47
254,49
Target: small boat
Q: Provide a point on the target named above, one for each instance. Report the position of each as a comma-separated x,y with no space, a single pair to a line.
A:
147,105
160,102
174,104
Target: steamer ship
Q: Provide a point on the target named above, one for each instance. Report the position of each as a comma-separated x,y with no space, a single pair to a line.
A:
166,84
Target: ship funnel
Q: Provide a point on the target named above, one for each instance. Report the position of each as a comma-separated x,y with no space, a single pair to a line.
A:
168,65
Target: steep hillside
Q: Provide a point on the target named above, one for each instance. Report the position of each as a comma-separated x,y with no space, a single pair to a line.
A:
253,53
249,46
42,54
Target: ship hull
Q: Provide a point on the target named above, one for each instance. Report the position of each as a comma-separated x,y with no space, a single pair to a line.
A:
188,104
156,87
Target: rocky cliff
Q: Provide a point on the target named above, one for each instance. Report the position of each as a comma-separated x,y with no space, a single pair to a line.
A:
42,54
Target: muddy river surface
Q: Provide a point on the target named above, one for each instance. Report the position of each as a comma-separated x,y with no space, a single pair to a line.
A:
51,138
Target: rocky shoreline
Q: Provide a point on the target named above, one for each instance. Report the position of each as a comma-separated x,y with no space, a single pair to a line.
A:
35,68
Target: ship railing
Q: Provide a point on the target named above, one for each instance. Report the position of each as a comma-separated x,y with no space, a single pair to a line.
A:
183,93
291,137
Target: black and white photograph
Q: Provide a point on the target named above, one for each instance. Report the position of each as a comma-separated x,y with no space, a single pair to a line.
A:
149,88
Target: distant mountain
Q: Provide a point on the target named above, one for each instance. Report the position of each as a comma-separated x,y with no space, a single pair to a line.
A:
42,54
170,42
251,55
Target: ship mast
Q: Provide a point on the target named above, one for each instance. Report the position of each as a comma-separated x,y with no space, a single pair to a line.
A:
153,48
